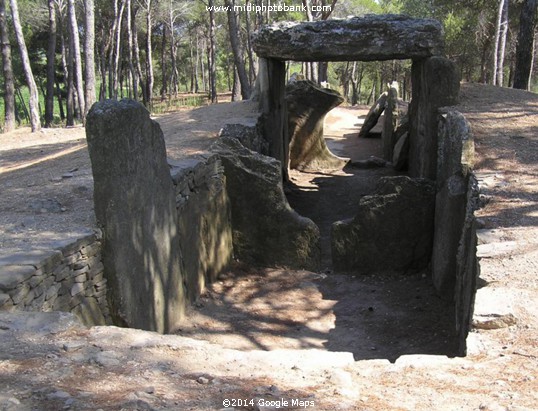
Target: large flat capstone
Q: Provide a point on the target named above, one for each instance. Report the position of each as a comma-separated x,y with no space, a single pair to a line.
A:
368,38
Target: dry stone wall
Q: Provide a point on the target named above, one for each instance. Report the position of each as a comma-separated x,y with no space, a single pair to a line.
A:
204,218
68,277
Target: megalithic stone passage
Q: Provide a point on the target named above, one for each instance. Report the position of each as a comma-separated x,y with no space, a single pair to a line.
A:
135,207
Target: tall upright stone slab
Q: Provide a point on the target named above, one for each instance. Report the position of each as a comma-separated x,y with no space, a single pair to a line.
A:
272,92
390,121
307,105
266,230
135,206
454,170
436,83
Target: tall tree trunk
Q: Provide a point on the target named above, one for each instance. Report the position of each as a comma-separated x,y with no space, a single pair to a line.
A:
138,66
133,72
193,65
89,53
60,99
498,33
502,44
51,66
77,58
212,55
7,69
68,53
250,53
525,45
237,50
35,122
164,88
68,73
117,51
149,56
196,66
174,75
236,88
103,67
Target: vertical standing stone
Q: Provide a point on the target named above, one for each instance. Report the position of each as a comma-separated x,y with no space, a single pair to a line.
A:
455,161
390,121
307,105
272,89
436,84
135,205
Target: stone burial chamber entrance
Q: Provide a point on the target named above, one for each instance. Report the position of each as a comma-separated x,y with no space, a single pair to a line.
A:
170,227
422,222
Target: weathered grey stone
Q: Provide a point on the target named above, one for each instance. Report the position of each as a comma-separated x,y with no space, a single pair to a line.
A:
455,159
307,105
13,275
266,230
4,299
274,122
368,38
250,136
49,205
373,115
392,230
89,312
40,259
467,267
400,156
72,245
390,121
205,227
41,324
135,205
436,83
370,162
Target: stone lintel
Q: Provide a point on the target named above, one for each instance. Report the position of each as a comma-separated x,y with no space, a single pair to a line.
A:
367,38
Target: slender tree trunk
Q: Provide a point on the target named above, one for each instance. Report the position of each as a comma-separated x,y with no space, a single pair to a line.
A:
51,65
70,87
193,88
236,88
250,53
117,52
525,45
502,44
149,56
35,122
196,72
137,59
174,76
68,78
164,88
133,72
60,99
205,81
212,55
237,50
89,53
77,59
498,26
7,69
103,68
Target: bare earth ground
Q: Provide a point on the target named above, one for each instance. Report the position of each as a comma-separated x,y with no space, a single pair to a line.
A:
274,333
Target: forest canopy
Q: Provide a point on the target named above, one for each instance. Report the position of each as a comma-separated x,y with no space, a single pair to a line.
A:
60,56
